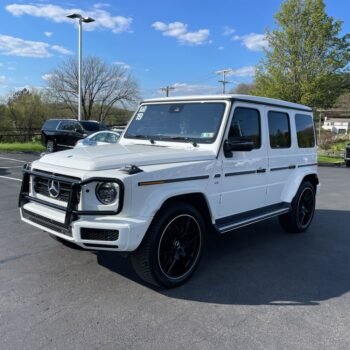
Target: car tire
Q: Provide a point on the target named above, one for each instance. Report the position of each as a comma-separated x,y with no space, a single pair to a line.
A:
302,212
66,243
50,146
172,247
347,163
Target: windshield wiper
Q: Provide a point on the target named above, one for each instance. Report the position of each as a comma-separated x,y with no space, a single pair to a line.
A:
144,137
180,138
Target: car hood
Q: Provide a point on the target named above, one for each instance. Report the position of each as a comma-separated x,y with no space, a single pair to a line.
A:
115,156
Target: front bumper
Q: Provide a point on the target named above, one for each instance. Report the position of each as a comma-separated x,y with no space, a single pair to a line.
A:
69,223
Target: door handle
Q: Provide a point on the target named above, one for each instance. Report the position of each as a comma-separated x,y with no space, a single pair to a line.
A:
261,170
292,166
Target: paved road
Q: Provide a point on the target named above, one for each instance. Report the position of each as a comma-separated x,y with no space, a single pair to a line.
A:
256,288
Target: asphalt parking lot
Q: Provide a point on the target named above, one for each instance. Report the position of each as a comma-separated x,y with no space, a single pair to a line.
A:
256,288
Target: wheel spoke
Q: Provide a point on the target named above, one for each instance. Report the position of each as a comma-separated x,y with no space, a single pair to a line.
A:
179,246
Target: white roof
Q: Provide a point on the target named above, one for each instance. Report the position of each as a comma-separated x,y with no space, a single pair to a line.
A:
248,98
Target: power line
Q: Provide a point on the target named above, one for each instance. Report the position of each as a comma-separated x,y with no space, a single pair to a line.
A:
167,89
224,82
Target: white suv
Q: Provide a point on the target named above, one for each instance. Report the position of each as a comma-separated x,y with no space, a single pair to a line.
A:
183,166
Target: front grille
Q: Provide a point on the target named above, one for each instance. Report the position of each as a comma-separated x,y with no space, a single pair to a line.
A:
99,234
48,223
41,186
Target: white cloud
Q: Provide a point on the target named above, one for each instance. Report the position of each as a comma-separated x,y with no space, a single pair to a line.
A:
193,89
228,31
47,76
12,46
221,48
122,64
179,31
61,49
253,41
3,79
103,19
247,71
48,34
100,5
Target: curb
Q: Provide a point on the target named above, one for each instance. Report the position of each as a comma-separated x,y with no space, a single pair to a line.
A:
332,165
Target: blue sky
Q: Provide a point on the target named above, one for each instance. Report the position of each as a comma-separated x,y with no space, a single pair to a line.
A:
179,43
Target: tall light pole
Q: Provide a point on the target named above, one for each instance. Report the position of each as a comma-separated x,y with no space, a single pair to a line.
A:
80,52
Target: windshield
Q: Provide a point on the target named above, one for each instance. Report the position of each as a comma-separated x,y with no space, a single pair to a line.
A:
197,122
90,126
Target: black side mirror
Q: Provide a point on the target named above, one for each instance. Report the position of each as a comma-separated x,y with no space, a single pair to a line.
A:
238,144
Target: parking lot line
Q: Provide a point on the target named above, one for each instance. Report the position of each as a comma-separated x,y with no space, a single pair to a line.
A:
11,167
10,178
14,160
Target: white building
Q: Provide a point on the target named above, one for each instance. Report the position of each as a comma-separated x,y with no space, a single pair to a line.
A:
337,125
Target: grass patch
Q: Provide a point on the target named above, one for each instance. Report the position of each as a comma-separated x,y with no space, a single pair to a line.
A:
21,147
328,159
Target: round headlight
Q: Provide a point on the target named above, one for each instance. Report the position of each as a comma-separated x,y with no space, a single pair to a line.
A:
107,192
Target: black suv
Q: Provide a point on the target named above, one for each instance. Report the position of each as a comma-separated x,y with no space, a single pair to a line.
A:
60,134
347,155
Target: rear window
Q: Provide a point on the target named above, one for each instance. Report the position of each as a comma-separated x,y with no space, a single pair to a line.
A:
91,126
305,130
50,124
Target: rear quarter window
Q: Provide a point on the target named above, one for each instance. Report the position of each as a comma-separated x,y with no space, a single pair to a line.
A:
304,125
279,129
50,124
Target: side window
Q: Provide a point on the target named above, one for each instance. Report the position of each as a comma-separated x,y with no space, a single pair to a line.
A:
77,127
246,123
66,125
305,130
101,137
279,129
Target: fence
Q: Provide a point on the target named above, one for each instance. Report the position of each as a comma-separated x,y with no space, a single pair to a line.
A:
19,135
28,135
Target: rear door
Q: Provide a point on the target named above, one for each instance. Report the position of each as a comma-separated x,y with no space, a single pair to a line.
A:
244,176
67,134
282,152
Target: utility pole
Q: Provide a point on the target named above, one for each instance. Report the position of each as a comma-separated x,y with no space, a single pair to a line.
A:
167,89
224,81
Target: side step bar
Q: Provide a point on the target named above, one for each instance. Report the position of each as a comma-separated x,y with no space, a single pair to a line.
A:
233,222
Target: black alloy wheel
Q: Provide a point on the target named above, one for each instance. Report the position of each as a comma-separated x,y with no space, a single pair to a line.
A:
306,206
302,210
179,246
172,247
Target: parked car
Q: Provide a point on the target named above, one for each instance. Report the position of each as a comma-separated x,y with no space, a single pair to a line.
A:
184,166
60,134
347,155
100,138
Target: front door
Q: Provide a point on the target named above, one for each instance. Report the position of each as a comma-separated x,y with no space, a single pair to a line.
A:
244,174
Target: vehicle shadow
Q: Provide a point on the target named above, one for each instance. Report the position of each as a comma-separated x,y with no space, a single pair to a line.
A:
260,265
4,172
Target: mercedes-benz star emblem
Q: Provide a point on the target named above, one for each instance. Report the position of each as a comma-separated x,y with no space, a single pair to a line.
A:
54,188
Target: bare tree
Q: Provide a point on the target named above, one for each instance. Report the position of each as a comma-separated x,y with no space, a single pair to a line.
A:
103,87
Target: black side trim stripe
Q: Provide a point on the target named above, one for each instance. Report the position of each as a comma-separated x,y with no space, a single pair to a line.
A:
290,167
160,182
305,165
258,171
241,173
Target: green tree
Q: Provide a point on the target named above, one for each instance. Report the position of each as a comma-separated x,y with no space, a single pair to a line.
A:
26,111
306,57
